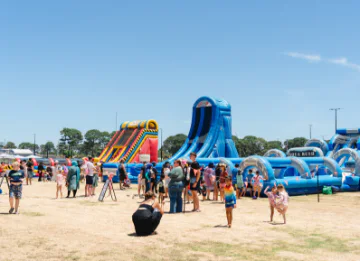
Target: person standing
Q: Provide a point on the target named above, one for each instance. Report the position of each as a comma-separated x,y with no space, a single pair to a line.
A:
122,174
153,181
209,177
176,186
30,171
16,176
249,184
73,179
96,177
195,181
23,167
166,170
143,177
89,167
223,177
41,171
230,200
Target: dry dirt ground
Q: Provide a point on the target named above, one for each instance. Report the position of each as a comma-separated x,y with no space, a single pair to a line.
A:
85,229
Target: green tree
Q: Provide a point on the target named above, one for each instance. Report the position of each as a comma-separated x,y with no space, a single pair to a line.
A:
173,143
250,145
29,146
10,145
274,145
294,143
105,138
92,144
70,139
47,148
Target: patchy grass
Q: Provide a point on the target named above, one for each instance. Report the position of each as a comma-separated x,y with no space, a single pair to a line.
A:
33,214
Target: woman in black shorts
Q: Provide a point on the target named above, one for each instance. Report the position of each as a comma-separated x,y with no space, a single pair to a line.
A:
195,184
217,182
148,216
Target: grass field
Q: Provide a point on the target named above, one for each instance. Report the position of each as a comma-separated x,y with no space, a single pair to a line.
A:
85,229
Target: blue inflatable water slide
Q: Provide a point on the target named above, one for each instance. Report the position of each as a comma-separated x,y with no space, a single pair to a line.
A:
302,170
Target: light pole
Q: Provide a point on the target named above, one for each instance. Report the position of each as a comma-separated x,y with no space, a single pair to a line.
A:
161,148
336,110
116,128
310,130
34,144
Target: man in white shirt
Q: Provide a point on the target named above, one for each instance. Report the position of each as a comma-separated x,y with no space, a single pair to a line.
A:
89,177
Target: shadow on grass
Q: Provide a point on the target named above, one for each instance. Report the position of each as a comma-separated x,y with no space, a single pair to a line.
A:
135,235
220,226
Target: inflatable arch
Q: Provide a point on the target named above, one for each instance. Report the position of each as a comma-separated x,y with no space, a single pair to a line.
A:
353,143
275,153
348,153
337,142
321,144
301,166
261,164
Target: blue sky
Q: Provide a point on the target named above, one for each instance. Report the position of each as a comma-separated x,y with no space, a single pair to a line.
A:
280,64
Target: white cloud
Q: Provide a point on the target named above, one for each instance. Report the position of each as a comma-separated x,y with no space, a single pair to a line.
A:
344,62
307,57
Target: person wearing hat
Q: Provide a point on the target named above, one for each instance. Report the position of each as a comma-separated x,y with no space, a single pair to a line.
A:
222,181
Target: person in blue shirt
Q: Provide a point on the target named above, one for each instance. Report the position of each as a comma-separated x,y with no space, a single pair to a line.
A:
249,184
15,176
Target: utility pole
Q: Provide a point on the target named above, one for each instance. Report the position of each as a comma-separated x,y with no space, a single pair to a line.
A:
310,130
161,148
336,110
116,127
34,144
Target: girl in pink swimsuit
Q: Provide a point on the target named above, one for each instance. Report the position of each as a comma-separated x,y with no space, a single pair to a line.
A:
272,200
282,201
59,184
257,184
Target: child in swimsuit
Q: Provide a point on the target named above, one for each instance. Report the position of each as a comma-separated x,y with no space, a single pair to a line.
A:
230,200
59,184
257,184
282,201
272,200
161,189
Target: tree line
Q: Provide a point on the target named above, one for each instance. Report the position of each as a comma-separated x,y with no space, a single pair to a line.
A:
72,143
247,146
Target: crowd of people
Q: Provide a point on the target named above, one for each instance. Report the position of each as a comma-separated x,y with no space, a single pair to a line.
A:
182,183
69,177
187,180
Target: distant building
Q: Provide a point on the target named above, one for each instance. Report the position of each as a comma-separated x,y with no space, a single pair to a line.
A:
18,152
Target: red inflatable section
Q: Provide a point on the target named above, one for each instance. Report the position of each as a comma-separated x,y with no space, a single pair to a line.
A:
145,149
154,149
150,146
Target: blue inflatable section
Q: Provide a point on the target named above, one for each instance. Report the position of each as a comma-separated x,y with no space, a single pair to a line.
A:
335,164
210,134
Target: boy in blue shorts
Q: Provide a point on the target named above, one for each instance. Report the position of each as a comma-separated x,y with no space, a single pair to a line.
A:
15,176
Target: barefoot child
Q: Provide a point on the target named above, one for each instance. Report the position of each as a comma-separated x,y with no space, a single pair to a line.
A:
272,197
161,189
230,200
59,184
240,191
282,203
257,184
